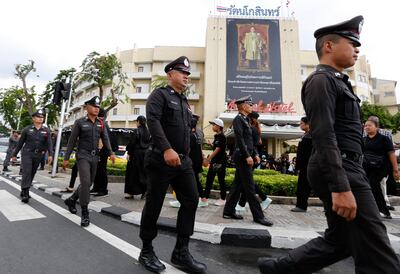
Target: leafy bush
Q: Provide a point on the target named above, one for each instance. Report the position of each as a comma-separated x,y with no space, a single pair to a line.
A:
270,181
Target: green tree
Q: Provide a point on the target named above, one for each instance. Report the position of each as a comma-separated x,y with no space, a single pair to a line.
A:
13,107
22,71
105,70
46,98
385,118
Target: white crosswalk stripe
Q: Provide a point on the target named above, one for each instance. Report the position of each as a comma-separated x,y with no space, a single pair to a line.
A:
14,210
109,238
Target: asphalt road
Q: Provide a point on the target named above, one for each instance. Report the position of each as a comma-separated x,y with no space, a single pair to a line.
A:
50,240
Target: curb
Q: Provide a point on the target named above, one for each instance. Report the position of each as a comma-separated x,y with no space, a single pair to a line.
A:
216,234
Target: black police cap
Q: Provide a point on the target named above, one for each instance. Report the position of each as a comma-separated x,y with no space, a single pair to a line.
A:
38,113
349,29
246,99
181,64
95,101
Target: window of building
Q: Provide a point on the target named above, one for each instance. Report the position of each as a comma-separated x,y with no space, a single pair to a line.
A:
389,93
140,68
136,111
138,89
376,98
115,111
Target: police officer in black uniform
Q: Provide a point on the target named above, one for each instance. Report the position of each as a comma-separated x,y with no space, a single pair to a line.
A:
88,131
35,140
245,150
334,170
303,155
167,163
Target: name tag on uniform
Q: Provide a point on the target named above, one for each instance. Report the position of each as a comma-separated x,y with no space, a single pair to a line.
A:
173,102
85,125
98,125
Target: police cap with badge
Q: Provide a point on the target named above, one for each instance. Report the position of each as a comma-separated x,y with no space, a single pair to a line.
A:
244,100
38,113
179,64
349,29
95,101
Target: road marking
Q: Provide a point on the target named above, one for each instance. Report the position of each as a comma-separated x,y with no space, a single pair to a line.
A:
109,238
14,210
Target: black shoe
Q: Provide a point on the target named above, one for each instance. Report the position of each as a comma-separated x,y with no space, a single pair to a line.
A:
264,221
267,265
233,216
101,194
391,208
71,203
149,260
182,258
85,221
25,196
41,168
276,265
5,169
93,192
298,209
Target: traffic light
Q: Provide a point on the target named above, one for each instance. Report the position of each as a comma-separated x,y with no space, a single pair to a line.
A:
61,91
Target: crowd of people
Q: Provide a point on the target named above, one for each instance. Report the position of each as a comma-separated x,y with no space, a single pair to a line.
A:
346,170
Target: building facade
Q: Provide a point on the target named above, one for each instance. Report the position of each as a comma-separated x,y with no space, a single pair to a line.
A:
224,70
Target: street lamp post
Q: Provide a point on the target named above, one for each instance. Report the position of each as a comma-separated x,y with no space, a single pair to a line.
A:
61,124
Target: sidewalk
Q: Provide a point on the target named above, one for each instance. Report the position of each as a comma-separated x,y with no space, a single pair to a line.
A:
289,230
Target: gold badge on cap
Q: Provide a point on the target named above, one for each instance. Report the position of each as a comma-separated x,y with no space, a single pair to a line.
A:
97,100
360,26
186,62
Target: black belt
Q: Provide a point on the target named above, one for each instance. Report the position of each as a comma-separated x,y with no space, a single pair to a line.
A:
352,156
156,150
91,152
34,150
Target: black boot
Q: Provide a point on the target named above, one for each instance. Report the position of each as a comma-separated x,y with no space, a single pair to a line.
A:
25,195
71,203
149,260
5,169
280,265
182,258
85,221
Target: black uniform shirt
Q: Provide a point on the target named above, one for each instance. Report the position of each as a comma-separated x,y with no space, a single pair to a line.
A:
335,119
244,136
379,145
303,152
35,140
219,141
12,144
169,119
88,134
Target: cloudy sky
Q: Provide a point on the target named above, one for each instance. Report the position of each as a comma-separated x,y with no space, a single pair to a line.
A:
59,34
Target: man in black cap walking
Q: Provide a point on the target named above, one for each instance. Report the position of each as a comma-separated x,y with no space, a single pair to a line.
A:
88,130
334,170
35,140
167,163
12,143
246,150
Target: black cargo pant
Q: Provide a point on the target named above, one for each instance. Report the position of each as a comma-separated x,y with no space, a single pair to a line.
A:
30,162
303,190
87,171
243,181
365,238
159,177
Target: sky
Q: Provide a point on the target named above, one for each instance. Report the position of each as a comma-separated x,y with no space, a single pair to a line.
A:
59,34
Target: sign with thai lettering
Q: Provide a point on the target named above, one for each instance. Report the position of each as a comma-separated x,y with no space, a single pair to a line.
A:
253,60
261,107
246,10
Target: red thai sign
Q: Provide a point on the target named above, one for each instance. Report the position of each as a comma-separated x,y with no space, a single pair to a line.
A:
273,107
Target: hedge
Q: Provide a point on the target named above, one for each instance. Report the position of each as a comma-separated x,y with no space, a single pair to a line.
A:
270,181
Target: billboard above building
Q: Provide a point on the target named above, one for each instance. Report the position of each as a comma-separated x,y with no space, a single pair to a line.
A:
253,60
